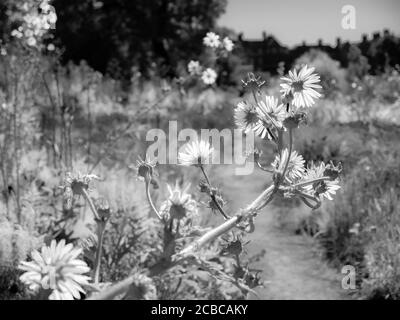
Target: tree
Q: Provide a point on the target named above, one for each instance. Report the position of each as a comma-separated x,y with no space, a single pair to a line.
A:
114,35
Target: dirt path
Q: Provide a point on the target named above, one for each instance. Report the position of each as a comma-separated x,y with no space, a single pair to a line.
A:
290,267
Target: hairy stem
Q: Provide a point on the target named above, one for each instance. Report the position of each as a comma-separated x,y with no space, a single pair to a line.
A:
150,200
290,153
91,204
100,236
226,217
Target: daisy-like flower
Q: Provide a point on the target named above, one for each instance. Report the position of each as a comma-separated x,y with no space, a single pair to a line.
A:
321,189
227,44
245,116
56,268
194,68
209,76
75,184
270,114
295,169
144,168
301,85
195,153
179,204
211,40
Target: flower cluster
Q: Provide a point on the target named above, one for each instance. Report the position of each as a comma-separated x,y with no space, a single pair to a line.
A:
271,117
38,18
222,48
212,40
57,269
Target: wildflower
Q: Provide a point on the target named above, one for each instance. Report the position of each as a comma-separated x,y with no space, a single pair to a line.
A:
196,154
194,68
76,185
211,40
295,168
270,113
227,44
321,189
301,85
145,168
56,268
209,76
179,204
245,116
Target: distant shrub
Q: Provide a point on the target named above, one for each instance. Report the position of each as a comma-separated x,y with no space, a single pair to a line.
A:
333,77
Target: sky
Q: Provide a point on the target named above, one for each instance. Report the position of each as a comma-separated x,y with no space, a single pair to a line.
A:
295,21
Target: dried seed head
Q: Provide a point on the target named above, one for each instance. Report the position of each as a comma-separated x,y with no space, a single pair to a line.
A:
145,169
75,184
252,82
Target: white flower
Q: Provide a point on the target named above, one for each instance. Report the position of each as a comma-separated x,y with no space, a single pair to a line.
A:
179,204
295,168
31,42
321,189
271,115
194,68
228,44
209,76
301,86
211,40
245,116
56,268
195,153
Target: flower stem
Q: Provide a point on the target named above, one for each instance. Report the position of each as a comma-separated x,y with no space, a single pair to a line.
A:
226,217
91,204
149,199
305,183
100,239
290,152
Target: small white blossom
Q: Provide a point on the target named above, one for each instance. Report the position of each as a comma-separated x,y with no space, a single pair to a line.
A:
211,40
195,153
321,189
300,87
245,116
228,44
194,68
209,76
295,168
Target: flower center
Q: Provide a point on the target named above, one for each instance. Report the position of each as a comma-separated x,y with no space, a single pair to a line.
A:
251,117
297,86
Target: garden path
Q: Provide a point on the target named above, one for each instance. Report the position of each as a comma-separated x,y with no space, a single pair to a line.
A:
290,266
